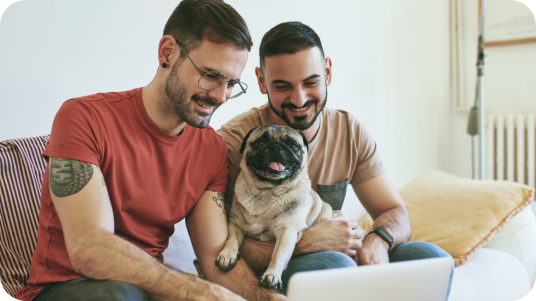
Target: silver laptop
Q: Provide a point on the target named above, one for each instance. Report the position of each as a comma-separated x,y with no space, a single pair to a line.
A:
416,280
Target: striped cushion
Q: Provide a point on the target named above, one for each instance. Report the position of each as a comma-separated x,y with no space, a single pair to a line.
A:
21,174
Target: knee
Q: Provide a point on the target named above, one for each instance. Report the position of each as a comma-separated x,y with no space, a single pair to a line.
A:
330,260
417,250
121,291
339,260
428,250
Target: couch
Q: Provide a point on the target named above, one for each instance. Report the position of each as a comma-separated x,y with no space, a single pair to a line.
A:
504,269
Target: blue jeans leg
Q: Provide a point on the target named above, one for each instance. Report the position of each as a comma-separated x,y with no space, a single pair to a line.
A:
314,261
419,250
84,289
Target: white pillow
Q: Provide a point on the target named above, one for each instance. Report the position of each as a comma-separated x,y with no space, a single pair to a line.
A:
518,238
489,275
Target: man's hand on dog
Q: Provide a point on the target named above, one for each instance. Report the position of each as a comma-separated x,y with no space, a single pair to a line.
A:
374,251
332,234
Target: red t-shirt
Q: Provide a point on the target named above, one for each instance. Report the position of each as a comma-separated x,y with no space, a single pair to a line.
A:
153,179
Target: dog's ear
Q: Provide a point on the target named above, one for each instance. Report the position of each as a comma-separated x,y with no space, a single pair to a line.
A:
304,141
245,141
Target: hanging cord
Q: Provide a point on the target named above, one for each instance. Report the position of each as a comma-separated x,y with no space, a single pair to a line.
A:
472,127
474,118
473,157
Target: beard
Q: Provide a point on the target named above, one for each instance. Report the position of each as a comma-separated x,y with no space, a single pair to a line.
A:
184,107
300,122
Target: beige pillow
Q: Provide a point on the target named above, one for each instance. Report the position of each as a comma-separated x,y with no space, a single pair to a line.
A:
457,214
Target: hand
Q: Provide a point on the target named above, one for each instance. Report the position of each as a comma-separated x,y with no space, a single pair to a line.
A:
332,234
375,250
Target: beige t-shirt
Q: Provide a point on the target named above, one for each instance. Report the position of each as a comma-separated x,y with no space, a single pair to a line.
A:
342,152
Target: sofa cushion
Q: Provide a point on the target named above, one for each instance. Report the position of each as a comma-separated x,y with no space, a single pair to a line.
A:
489,275
180,253
517,239
21,174
457,214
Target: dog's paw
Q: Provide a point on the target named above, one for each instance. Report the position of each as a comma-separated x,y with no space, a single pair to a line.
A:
337,213
226,260
271,281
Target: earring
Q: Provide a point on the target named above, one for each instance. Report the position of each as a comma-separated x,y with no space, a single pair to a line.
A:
164,65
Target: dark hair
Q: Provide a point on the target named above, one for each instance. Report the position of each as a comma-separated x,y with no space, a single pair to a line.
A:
288,38
214,20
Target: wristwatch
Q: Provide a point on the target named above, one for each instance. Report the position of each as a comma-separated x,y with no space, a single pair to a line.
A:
383,234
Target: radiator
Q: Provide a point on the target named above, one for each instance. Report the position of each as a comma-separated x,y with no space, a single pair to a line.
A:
511,148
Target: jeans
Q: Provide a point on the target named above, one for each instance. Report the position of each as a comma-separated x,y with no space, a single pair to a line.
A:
331,260
84,289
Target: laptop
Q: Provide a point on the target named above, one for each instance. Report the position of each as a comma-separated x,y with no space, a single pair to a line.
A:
416,280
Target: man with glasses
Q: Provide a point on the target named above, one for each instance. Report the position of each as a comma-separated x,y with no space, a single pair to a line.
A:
125,167
294,74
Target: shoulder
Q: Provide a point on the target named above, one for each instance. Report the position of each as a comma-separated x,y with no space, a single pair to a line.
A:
210,134
205,143
234,131
342,123
340,118
202,147
207,140
96,102
246,121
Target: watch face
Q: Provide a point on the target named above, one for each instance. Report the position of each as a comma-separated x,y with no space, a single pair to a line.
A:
385,233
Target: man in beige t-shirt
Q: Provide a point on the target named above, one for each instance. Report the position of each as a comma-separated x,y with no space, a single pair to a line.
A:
294,73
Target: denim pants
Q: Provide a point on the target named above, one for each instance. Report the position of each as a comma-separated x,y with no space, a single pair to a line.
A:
331,260
84,289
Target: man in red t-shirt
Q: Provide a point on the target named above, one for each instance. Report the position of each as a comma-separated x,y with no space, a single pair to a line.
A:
125,167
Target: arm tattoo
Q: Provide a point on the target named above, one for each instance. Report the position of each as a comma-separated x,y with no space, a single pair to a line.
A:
68,177
219,200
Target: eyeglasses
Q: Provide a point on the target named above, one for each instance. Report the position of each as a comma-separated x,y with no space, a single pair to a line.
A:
213,79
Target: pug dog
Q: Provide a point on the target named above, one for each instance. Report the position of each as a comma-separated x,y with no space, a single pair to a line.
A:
273,198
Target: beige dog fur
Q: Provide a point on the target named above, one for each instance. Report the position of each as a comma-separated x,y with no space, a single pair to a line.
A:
267,211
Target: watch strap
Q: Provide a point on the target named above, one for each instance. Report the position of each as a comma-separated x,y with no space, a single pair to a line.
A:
382,232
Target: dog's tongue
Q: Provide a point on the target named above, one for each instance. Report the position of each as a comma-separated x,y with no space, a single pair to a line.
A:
276,166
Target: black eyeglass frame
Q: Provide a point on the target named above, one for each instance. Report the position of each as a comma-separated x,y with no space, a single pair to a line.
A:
231,80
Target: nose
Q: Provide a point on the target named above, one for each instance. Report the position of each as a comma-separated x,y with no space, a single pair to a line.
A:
220,93
276,147
299,97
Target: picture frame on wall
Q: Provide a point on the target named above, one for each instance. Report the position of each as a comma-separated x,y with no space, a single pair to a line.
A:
508,22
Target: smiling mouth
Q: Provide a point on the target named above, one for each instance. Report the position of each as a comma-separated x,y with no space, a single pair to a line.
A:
204,105
300,109
273,167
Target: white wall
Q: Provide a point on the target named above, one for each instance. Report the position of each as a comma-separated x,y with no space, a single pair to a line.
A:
510,85
390,62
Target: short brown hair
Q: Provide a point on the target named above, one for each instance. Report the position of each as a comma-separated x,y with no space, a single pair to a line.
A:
288,38
214,20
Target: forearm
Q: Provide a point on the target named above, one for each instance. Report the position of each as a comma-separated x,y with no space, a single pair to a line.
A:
258,254
396,222
208,240
108,257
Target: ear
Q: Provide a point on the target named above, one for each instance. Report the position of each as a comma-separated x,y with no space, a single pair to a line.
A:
304,141
261,80
327,71
167,50
245,141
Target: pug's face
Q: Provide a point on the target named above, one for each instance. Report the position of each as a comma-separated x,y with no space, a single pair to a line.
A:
274,153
